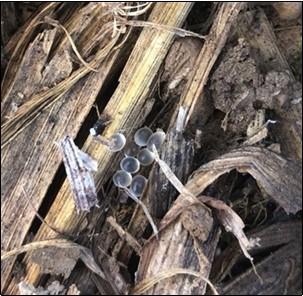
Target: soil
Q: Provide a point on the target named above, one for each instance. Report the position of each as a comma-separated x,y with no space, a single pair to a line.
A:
239,88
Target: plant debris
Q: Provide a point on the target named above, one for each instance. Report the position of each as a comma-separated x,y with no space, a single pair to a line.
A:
217,183
52,289
78,166
85,254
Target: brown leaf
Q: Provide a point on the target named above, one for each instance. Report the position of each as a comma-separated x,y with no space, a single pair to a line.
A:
231,222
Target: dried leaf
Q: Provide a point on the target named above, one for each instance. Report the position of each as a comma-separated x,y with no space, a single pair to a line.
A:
78,166
231,222
144,208
229,219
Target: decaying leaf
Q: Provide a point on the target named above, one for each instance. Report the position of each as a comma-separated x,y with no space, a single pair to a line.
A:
231,222
278,177
85,253
229,218
78,166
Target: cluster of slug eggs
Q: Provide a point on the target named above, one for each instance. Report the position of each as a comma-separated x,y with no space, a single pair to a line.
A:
138,153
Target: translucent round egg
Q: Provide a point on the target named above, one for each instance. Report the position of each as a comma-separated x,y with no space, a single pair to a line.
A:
142,135
156,139
117,142
131,149
122,179
138,184
130,164
146,157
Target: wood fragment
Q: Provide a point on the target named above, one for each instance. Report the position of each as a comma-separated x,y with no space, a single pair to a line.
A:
19,42
281,272
125,235
271,236
259,136
178,153
229,218
214,42
78,166
127,102
40,158
179,239
144,286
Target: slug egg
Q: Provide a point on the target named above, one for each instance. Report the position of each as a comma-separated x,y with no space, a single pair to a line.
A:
146,157
156,139
122,179
131,149
142,135
117,142
138,184
130,164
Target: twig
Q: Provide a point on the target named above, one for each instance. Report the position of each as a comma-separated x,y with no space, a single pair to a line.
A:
39,216
175,30
125,235
56,24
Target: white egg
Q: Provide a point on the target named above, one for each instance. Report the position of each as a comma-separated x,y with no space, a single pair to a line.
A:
117,142
146,157
122,179
130,164
156,139
138,184
142,135
131,149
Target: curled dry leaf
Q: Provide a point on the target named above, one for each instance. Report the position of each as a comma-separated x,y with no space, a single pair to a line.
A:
229,218
231,222
278,177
